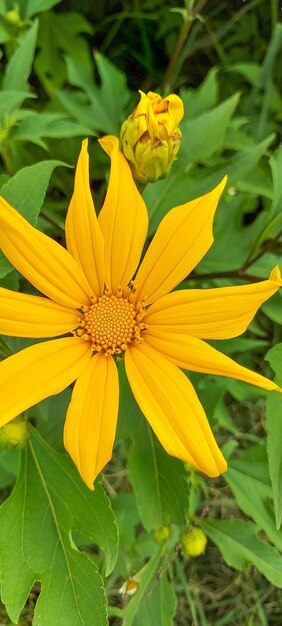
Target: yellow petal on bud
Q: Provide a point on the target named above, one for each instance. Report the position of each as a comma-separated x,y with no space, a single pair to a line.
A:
193,542
150,137
14,434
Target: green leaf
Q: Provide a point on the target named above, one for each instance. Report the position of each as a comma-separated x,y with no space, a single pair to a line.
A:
26,192
249,480
19,67
77,105
180,186
274,357
274,447
158,607
240,547
36,525
60,35
230,234
11,99
113,91
274,433
9,463
197,101
38,125
107,102
204,135
273,308
154,601
162,498
275,162
32,7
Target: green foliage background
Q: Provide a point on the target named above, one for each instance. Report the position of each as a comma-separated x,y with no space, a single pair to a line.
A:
70,70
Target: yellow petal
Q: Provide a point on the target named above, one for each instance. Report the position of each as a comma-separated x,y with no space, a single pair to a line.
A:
83,235
181,240
46,264
196,355
219,313
23,315
92,416
170,404
175,109
39,371
123,219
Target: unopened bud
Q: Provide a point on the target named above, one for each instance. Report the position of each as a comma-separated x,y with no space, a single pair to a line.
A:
162,534
13,17
150,137
193,542
14,434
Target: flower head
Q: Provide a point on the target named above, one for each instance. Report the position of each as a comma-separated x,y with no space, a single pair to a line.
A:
95,292
150,137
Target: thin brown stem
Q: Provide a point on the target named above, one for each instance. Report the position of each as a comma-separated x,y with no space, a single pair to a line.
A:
269,246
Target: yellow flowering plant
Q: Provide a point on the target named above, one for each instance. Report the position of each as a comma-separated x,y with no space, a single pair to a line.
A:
106,303
140,338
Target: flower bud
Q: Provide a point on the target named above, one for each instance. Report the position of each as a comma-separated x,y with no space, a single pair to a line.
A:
150,137
193,542
13,17
162,534
14,434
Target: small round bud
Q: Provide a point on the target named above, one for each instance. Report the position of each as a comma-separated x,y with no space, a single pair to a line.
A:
162,534
14,434
150,137
193,542
13,17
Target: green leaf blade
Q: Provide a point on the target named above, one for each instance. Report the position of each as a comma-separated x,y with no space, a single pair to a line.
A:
20,64
26,192
36,526
240,547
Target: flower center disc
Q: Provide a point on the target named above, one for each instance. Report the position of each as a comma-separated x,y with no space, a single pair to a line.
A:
111,323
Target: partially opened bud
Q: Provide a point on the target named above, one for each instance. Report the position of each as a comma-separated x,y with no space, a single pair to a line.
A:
150,137
193,542
14,434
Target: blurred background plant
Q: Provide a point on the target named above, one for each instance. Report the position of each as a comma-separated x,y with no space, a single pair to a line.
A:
72,69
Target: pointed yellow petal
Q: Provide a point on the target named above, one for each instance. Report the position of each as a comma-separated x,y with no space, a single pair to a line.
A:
92,416
83,235
170,404
219,313
23,315
198,356
123,219
182,239
39,371
46,264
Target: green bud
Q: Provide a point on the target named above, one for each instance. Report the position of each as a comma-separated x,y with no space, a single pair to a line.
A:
162,534
13,17
14,434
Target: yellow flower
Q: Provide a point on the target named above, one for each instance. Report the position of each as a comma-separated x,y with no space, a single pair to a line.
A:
193,542
158,331
150,137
